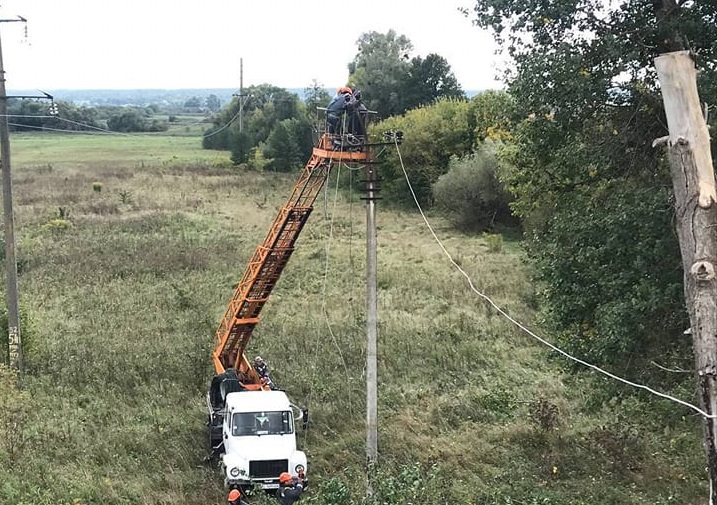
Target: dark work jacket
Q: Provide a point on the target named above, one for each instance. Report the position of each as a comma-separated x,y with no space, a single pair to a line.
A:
262,370
288,495
337,105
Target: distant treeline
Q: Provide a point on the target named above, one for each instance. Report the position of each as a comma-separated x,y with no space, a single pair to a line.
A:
34,115
167,98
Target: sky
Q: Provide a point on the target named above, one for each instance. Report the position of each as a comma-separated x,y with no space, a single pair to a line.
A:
186,44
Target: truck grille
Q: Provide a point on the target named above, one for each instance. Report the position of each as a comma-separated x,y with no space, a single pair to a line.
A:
270,468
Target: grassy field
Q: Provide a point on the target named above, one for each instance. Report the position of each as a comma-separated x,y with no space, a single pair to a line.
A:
129,248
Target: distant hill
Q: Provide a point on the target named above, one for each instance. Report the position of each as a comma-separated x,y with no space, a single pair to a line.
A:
137,97
144,97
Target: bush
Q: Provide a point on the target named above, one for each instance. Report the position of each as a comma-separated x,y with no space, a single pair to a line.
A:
241,148
407,485
612,276
432,135
471,194
58,225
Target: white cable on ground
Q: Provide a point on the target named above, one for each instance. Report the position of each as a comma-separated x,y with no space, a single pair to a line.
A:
526,330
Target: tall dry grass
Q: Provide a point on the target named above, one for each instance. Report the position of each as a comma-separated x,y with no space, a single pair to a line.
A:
122,301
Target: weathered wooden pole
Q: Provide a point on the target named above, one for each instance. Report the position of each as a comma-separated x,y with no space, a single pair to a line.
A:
693,181
11,294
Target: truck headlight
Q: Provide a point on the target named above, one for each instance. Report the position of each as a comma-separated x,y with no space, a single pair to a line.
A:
236,471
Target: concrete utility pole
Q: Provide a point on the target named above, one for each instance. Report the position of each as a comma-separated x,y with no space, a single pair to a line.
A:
241,94
11,294
371,322
693,181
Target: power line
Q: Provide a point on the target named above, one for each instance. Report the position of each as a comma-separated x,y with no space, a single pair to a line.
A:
223,127
528,331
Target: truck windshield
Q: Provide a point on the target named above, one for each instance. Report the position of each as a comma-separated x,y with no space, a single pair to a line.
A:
262,423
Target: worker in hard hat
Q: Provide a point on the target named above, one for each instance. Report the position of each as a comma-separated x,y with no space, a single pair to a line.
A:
290,487
235,498
336,108
261,367
345,119
262,370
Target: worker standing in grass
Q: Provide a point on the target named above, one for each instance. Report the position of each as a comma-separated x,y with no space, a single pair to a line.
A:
290,489
235,498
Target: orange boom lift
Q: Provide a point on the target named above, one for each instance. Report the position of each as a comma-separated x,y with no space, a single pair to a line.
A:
270,257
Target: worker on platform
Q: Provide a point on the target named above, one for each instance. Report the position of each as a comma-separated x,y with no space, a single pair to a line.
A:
346,114
290,488
336,108
356,115
235,498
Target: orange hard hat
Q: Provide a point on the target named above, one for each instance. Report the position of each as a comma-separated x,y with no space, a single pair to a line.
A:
234,494
345,89
285,477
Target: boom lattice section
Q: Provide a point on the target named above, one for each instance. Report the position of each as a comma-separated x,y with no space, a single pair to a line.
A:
270,258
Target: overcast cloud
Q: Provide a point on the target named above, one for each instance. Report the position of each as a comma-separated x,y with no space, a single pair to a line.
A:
123,44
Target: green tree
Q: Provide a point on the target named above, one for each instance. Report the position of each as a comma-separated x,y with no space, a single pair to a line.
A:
27,115
193,103
493,112
217,138
587,107
613,277
213,103
30,115
315,96
241,146
428,80
283,147
379,68
264,106
432,135
393,82
129,120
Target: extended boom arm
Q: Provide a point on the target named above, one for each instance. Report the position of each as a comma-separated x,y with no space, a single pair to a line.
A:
270,258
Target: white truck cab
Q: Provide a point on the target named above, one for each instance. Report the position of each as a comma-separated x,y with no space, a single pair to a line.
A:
259,438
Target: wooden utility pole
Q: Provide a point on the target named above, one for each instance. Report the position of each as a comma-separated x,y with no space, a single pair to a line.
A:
11,291
693,181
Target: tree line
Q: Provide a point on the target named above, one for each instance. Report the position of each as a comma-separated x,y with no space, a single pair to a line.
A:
34,115
445,137
564,152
